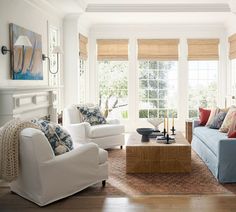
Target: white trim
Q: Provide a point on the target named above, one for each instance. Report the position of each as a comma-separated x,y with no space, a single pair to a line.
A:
45,7
158,8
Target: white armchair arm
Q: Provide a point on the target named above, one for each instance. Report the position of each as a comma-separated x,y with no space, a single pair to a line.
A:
78,131
65,169
113,121
84,154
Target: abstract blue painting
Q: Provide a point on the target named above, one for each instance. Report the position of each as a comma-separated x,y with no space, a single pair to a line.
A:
26,63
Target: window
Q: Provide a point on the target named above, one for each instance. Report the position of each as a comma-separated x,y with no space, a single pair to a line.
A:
232,57
203,77
112,56
233,77
83,56
157,88
113,88
82,80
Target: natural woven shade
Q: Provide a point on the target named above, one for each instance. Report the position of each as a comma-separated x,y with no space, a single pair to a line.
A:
203,49
158,49
83,41
232,47
112,49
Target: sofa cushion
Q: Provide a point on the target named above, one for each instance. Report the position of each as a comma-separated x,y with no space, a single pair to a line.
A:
232,127
104,130
103,156
214,112
204,116
228,119
217,120
210,137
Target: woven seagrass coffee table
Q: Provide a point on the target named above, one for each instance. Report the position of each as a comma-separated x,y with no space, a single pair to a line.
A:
153,157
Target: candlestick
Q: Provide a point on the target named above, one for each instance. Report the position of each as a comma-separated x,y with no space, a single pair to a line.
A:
173,120
164,123
173,131
167,124
167,138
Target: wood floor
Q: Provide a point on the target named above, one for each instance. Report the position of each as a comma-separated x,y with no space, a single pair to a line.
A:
12,202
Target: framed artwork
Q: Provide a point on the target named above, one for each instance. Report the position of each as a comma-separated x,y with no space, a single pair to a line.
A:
26,62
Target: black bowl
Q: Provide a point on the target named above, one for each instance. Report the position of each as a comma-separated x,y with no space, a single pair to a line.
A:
145,132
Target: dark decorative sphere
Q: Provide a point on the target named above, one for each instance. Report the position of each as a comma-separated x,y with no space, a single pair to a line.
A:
145,132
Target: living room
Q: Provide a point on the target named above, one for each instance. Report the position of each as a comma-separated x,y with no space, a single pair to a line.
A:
132,104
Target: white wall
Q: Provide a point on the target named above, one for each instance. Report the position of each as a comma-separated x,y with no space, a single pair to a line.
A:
230,30
28,15
133,32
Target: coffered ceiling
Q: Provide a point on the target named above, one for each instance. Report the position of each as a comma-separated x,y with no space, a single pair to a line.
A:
146,11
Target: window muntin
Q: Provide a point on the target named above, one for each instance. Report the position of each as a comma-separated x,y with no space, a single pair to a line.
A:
202,89
157,88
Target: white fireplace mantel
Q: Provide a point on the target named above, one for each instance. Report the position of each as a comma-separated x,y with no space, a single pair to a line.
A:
27,102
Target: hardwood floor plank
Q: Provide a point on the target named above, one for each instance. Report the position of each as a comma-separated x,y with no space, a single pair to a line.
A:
208,203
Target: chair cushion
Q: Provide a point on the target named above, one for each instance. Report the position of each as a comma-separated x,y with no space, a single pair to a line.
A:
104,130
103,156
92,115
210,137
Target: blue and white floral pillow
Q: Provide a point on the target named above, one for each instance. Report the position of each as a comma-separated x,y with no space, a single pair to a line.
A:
92,115
58,137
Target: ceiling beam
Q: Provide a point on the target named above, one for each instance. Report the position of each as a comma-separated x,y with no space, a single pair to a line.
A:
158,8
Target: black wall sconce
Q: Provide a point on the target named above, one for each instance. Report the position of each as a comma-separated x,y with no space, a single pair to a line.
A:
22,40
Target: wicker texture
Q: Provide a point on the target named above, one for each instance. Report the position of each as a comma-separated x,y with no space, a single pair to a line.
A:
153,157
9,148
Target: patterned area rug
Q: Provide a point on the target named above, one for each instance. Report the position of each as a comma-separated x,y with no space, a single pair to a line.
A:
200,181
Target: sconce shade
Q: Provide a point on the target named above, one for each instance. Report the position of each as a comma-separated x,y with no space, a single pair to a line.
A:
57,50
23,41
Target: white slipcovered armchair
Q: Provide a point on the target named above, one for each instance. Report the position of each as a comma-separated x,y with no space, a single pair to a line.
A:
105,135
45,178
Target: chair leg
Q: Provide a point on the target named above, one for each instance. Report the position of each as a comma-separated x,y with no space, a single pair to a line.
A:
121,147
103,183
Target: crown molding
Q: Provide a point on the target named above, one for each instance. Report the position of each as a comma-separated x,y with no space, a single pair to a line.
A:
82,4
45,7
160,25
72,16
232,4
158,8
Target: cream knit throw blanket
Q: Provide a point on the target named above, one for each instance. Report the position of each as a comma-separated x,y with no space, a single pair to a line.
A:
9,148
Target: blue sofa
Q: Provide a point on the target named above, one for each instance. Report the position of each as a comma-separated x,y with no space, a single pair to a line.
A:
217,151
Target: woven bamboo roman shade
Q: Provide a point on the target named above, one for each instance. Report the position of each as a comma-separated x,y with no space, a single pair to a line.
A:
203,49
83,41
232,47
112,49
158,49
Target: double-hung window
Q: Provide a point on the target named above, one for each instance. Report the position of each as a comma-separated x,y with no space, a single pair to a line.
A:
112,62
232,57
202,74
158,73
83,57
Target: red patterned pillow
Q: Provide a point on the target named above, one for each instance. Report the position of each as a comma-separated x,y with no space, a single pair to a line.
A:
232,127
204,116
232,134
